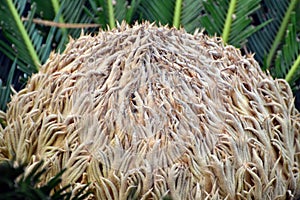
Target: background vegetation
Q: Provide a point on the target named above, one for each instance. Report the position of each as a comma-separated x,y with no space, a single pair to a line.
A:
15,185
31,29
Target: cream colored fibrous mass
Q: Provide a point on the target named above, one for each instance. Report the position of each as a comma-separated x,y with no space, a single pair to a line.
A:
148,112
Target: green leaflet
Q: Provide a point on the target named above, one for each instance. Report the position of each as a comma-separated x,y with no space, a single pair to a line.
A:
18,34
158,11
29,43
287,60
231,19
5,90
276,46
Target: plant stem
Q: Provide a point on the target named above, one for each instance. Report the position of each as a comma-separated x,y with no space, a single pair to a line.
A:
111,16
24,34
228,21
293,70
56,8
177,14
280,33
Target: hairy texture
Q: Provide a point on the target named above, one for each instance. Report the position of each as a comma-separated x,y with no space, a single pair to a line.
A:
148,112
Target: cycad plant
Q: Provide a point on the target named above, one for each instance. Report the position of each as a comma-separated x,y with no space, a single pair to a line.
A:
30,30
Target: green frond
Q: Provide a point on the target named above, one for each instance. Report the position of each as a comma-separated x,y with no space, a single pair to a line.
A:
125,10
108,12
191,14
56,8
5,90
287,59
18,34
160,11
277,44
214,16
32,43
281,32
120,9
231,19
74,12
99,12
262,41
44,9
241,27
293,76
132,11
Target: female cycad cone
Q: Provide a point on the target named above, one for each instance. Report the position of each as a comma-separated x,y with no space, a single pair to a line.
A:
147,112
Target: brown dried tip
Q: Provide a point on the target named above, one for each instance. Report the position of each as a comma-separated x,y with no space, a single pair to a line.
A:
149,112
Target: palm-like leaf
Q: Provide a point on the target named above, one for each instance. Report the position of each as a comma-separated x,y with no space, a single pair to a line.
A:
5,90
67,11
269,38
23,36
32,43
287,58
99,12
105,12
231,19
276,46
160,11
74,13
214,18
191,14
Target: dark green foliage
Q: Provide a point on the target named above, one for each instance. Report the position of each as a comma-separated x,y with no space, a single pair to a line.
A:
241,26
160,11
123,10
276,46
16,186
288,53
24,36
261,42
5,89
190,15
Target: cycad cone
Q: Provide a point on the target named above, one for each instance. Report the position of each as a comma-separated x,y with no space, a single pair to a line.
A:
148,112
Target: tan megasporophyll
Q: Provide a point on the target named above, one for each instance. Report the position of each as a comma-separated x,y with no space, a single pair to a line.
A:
147,112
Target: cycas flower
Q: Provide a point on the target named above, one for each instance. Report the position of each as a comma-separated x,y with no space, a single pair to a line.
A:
148,112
